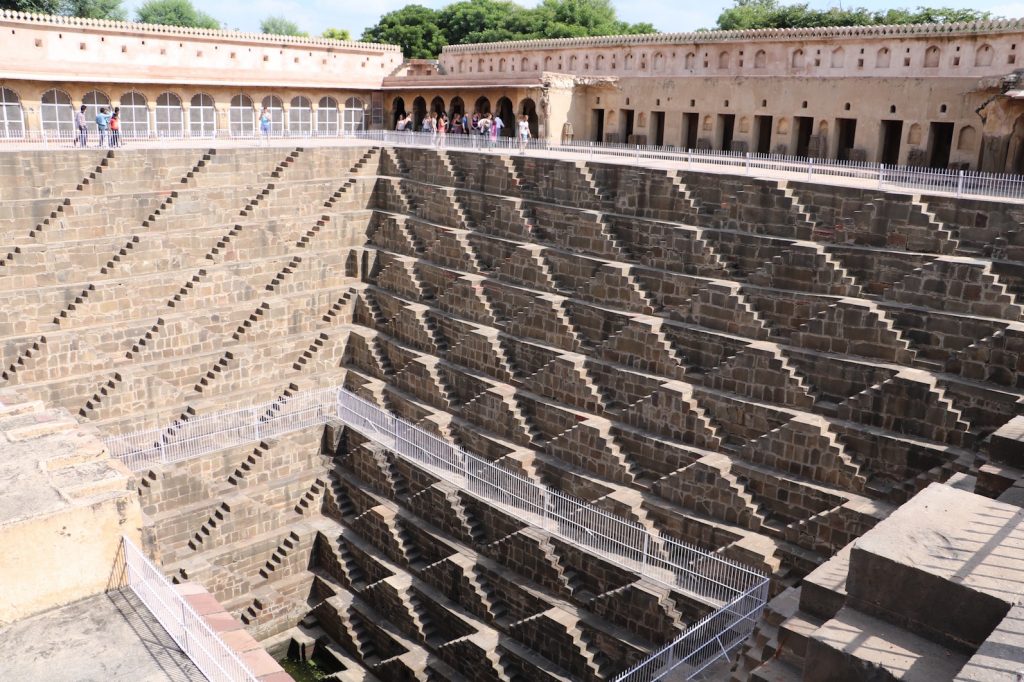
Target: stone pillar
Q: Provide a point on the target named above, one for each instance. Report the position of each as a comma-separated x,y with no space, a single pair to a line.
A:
186,119
151,113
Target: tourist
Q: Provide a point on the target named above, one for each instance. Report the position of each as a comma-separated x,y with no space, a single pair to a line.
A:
403,121
567,133
483,127
524,133
442,129
80,126
475,123
265,123
115,128
457,125
428,125
102,123
496,126
465,123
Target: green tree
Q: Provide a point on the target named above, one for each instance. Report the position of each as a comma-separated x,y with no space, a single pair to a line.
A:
476,21
414,27
747,14
38,6
174,13
112,10
337,34
281,26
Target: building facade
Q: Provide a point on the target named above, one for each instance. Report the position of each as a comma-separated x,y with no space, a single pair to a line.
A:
168,80
929,95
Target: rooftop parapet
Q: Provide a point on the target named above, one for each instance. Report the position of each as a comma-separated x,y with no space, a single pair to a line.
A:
998,26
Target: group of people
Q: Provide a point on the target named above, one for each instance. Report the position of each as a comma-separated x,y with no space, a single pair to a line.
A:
486,126
108,125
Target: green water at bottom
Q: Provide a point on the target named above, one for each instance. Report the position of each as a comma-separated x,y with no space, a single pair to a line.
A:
303,671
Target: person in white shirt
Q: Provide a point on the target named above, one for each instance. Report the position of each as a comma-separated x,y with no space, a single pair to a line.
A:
524,132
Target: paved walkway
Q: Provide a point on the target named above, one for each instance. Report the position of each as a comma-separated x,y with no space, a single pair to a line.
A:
901,180
107,638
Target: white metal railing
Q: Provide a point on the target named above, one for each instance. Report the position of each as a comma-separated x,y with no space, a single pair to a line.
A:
735,593
194,436
959,183
190,631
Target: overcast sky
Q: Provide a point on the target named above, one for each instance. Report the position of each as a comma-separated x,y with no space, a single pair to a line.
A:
666,15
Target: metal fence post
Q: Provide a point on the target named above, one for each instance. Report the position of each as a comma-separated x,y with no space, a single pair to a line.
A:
746,163
881,175
810,168
959,184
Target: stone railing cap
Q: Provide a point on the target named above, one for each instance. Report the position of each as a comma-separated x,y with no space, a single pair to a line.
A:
766,34
183,32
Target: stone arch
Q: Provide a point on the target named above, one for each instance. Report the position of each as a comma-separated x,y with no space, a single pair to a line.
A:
760,59
783,127
480,65
882,58
823,127
482,106
94,100
690,60
300,116
462,65
419,112
932,56
984,55
573,63
529,107
501,65
353,117
659,61
134,114
170,116
327,119
627,61
508,116
967,139
914,134
241,117
275,107
56,110
12,116
838,58
797,61
397,111
202,115
1015,150
437,105
599,62
524,63
457,106
723,59
547,62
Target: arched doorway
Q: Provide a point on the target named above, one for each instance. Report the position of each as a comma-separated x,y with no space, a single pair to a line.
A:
202,116
1015,152
529,107
508,117
300,116
327,116
56,111
241,117
12,118
354,115
483,106
458,107
437,106
397,111
134,115
170,118
274,107
419,112
94,100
